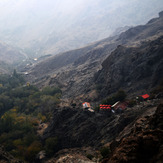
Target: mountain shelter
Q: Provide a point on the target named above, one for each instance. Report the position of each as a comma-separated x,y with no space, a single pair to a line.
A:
86,105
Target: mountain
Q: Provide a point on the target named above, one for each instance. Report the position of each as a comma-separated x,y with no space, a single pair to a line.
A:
50,125
40,27
83,136
10,56
96,66
5,68
136,65
129,136
132,68
145,146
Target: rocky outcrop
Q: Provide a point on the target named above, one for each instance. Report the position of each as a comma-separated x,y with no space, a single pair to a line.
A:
135,58
78,128
7,158
76,155
157,119
134,69
151,30
145,142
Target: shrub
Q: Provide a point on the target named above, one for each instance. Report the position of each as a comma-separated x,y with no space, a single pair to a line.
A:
131,103
119,96
33,150
90,156
51,145
99,87
105,152
51,91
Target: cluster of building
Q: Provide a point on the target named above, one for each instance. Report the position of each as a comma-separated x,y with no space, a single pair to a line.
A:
118,107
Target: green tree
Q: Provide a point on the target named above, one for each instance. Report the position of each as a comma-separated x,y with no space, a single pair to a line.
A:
51,145
105,152
119,96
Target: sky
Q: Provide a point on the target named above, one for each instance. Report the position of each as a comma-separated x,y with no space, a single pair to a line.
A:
27,22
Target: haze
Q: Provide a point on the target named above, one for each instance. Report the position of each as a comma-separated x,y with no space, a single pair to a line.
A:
46,26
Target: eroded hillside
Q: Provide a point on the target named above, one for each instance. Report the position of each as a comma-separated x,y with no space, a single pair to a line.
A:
50,123
134,69
83,71
10,57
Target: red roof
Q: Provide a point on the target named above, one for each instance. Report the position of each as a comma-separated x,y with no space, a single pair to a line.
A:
121,105
105,106
86,105
145,96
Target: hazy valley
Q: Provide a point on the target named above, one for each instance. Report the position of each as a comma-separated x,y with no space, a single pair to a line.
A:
54,65
57,26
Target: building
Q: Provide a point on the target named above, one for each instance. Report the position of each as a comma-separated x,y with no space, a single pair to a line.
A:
120,106
86,105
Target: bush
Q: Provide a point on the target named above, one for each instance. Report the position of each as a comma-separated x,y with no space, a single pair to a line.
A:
21,109
97,108
119,96
33,150
51,145
90,156
105,151
131,103
99,87
51,91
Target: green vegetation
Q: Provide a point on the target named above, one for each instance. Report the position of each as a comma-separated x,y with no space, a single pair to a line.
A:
18,133
22,108
131,102
105,152
119,96
51,145
90,156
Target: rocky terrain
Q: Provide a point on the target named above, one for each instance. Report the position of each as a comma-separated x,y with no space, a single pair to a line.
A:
134,69
10,57
130,136
10,54
86,70
131,61
5,157
144,143
136,135
5,68
74,155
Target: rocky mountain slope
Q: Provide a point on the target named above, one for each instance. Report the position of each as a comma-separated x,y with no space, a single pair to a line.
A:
10,56
132,61
144,143
5,157
139,127
83,70
5,68
132,68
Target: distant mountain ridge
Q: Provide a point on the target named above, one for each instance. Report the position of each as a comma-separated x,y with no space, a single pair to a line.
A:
51,27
